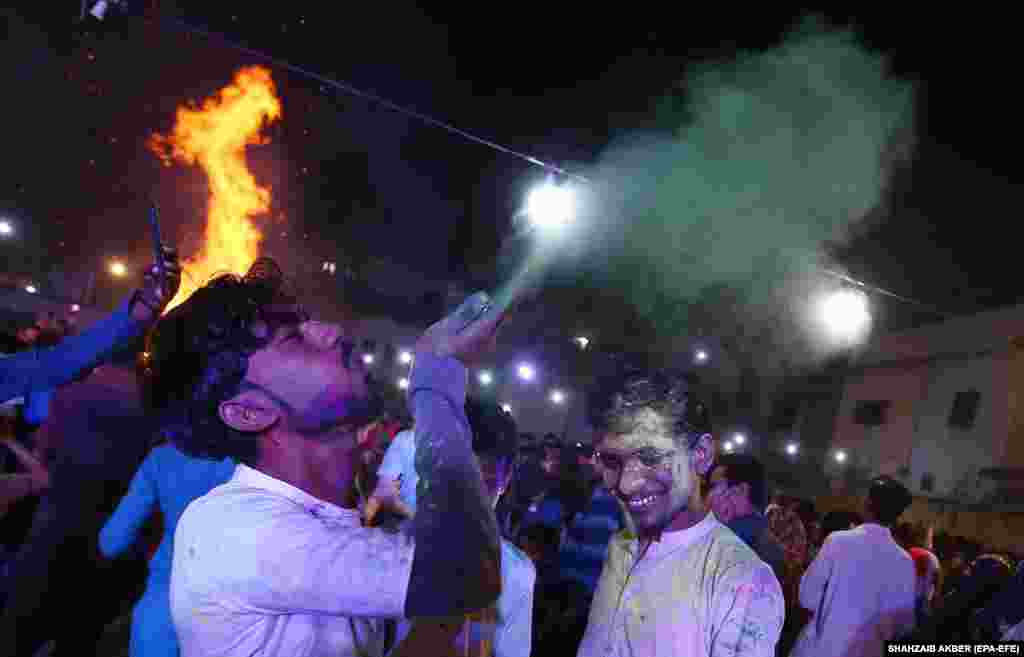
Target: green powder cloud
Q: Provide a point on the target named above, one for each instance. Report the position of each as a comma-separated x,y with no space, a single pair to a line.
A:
776,155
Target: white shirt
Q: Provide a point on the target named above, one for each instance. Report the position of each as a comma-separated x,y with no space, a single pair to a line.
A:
399,463
261,567
861,589
508,625
699,592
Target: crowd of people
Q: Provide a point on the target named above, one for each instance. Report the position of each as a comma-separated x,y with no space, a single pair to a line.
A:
239,489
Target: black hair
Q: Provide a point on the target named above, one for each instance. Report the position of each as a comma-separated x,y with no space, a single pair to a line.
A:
616,396
199,355
745,469
888,499
494,430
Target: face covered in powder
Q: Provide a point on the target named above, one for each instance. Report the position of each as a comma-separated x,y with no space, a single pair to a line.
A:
309,370
653,472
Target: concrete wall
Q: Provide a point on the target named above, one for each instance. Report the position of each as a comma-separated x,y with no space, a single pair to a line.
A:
920,373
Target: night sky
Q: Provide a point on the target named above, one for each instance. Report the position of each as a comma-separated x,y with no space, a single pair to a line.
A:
551,80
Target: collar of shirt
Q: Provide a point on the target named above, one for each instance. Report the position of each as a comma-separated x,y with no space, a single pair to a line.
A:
673,541
253,478
876,530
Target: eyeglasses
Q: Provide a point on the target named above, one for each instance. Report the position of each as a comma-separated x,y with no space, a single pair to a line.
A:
612,465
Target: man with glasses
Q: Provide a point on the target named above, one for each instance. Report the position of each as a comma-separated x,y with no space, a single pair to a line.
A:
682,585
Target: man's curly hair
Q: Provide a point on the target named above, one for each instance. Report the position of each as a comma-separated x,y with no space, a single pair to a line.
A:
627,386
199,355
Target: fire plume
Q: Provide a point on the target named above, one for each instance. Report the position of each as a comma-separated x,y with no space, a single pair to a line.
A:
214,136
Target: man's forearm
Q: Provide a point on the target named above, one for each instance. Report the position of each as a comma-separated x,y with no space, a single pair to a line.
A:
59,365
456,567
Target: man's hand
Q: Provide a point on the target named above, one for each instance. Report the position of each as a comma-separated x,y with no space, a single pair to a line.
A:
468,334
159,286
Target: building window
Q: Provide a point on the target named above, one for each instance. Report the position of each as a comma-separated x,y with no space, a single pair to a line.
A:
927,482
965,409
870,413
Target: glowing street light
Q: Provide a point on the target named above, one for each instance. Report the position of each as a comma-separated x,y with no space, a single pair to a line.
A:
846,315
507,408
31,289
557,397
840,456
368,359
403,383
6,228
700,356
792,449
485,378
117,268
551,206
526,372
405,357
727,446
75,307
739,439
581,342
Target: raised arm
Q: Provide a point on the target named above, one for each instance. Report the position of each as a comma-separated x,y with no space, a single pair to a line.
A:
45,369
456,568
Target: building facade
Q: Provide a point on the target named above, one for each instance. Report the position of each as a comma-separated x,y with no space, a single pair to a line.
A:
941,407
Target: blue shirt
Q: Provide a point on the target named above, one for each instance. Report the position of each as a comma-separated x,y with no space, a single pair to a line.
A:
585,544
172,479
40,370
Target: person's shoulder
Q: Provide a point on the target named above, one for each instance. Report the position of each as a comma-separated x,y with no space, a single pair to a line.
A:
232,505
731,552
519,568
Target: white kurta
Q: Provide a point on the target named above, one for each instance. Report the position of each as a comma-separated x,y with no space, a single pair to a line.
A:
861,588
261,567
700,592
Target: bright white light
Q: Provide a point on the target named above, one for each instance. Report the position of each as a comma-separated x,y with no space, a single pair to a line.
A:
701,356
329,267
840,456
727,446
75,307
526,372
31,289
581,342
403,383
485,378
368,359
118,269
507,408
846,315
792,449
551,206
6,228
557,397
739,438
405,357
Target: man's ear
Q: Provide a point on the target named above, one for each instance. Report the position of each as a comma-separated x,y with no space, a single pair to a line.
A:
702,455
246,414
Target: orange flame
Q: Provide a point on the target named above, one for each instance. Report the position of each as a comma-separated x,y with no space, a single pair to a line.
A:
215,135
